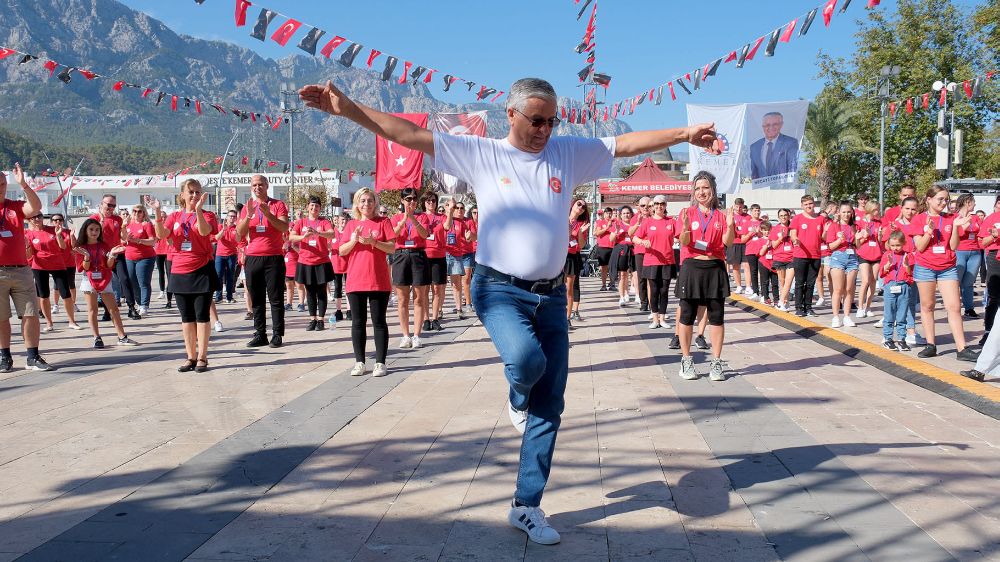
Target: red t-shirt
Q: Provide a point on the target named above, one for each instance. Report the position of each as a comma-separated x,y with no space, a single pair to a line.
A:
265,240
136,251
891,214
46,253
969,242
367,269
455,243
991,221
408,237
291,261
339,261
660,233
188,249
12,250
574,236
68,255
837,231
641,250
112,228
620,231
898,272
761,248
707,232
226,246
810,235
99,273
908,246
938,255
872,248
314,250
434,244
474,227
162,247
742,223
604,240
783,252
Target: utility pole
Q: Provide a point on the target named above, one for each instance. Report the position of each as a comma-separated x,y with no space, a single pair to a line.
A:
884,94
944,128
289,107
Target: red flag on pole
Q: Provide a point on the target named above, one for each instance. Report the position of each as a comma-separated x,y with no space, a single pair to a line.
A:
396,166
371,56
241,12
828,9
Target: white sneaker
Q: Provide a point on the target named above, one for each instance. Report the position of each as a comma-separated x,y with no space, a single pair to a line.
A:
622,301
415,342
654,325
649,316
687,371
379,370
161,296
860,313
405,342
748,293
143,310
532,521
47,329
55,308
358,370
911,339
665,325
835,322
717,371
76,308
820,301
738,291
782,307
879,322
848,323
635,298
518,418
74,326
869,313
218,326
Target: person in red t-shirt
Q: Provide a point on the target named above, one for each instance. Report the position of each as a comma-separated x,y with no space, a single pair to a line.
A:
58,221
45,253
892,213
226,251
806,231
113,228
193,279
781,248
657,234
602,233
96,261
896,271
436,243
264,222
736,254
870,248
706,232
291,257
765,264
579,225
339,263
314,270
458,236
642,287
368,282
968,255
750,231
623,259
410,269
140,256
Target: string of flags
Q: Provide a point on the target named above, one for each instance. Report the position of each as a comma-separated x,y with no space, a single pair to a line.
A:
411,72
971,88
176,101
588,46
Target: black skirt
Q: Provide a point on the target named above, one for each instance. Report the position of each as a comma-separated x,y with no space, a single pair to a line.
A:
202,280
314,274
622,254
702,279
574,265
657,272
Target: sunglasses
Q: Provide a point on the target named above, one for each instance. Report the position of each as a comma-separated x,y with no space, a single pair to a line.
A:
57,220
659,203
537,122
409,199
110,205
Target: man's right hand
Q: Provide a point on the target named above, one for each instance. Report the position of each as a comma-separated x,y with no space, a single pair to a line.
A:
326,98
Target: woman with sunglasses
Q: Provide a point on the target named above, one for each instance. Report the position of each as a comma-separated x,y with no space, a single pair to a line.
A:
140,256
314,270
410,268
621,254
579,225
69,262
45,254
656,234
602,233
193,279
96,260
435,246
457,239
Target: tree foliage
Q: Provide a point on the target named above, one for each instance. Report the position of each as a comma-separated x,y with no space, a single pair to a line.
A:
830,132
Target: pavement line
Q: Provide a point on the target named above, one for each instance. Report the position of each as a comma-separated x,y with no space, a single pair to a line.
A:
978,396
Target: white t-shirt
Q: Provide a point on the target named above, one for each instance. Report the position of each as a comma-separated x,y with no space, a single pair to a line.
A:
523,197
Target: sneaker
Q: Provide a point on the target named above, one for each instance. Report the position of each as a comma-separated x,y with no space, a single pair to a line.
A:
415,342
218,327
569,324
622,301
6,364
782,307
890,345
800,313
768,302
518,418
643,307
738,291
168,305
848,323
379,370
649,316
869,313
55,308
46,329
974,375
675,342
820,301
74,326
427,325
717,370
143,310
106,317
358,370
969,313
288,306
312,325
665,324
654,325
248,316
348,315
127,341
835,322
436,325
301,308
921,340
405,342
812,313
38,364
260,340
76,308
750,294
532,521
161,296
461,314
968,354
320,325
275,341
98,343
687,369
902,346
339,315
700,342
911,339
929,350
860,313
879,323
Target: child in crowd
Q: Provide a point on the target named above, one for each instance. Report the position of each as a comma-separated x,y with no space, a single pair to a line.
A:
95,259
761,248
896,271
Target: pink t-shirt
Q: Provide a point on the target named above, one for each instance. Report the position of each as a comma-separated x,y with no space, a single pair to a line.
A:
784,251
871,249
313,250
707,232
265,240
742,223
991,221
938,255
660,233
969,241
367,269
434,244
46,253
901,270
604,240
188,248
810,235
135,250
574,237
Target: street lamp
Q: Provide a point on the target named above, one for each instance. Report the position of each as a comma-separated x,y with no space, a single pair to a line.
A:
944,128
289,106
884,93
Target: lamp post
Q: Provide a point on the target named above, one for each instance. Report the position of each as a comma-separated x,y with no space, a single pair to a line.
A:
289,106
945,129
222,167
884,94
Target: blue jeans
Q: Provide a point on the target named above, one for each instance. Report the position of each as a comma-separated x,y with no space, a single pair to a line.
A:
897,309
531,335
968,269
225,267
140,276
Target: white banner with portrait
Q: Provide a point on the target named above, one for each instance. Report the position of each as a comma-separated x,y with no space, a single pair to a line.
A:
774,137
730,126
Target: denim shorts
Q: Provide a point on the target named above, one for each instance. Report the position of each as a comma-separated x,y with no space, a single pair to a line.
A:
921,273
844,261
458,264
825,261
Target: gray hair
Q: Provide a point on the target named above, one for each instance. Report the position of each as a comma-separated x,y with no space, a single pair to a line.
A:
773,114
526,88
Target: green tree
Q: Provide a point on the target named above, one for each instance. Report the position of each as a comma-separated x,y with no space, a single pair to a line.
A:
829,133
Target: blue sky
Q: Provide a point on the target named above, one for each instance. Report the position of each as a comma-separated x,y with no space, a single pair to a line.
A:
640,43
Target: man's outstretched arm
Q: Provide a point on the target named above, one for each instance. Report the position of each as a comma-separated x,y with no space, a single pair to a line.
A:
642,142
329,99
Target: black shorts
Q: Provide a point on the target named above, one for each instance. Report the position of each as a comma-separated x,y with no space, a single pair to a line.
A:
574,265
194,307
781,265
736,254
625,259
410,269
603,256
439,270
60,276
657,272
71,276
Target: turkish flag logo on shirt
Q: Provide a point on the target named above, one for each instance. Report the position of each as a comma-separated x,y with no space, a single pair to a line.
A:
398,167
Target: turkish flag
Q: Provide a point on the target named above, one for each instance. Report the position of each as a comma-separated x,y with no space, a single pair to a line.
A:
396,166
241,12
4,53
828,9
285,32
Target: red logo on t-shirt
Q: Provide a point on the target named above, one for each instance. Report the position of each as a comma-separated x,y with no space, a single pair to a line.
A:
555,184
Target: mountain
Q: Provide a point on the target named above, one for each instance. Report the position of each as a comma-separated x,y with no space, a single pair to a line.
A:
110,38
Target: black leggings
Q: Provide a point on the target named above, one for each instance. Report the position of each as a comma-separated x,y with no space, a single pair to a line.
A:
659,295
643,292
768,279
121,278
194,307
378,302
753,260
806,271
316,298
715,309
161,270
576,288
992,289
338,285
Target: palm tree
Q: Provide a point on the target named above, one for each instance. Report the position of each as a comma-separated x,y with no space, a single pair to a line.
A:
829,131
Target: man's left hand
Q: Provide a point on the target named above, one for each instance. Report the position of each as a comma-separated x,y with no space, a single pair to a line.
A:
703,135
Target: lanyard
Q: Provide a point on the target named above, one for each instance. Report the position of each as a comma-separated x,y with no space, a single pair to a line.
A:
185,225
848,233
705,220
260,214
896,266
95,253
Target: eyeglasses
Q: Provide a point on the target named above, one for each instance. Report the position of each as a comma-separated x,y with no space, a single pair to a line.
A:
659,203
57,220
537,122
642,205
409,199
110,205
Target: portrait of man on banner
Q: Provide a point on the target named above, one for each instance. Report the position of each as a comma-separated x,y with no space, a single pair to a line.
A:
775,131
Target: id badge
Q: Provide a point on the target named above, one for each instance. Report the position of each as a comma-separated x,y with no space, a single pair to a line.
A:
286,260
824,247
572,243
186,246
409,243
937,250
849,251
96,275
768,256
430,237
972,236
313,243
261,228
787,248
628,240
6,234
701,245
873,244
896,289
452,238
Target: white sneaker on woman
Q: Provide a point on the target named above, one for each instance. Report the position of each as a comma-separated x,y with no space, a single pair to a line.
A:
380,370
848,323
405,342
835,322
358,370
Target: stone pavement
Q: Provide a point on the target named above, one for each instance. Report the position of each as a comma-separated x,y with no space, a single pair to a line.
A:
804,454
